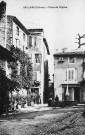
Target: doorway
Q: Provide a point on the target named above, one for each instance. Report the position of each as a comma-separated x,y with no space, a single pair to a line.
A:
77,94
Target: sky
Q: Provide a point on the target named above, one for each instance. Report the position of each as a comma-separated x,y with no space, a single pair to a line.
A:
61,20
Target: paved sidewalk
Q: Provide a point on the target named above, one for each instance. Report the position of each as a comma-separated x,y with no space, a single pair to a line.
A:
35,107
38,107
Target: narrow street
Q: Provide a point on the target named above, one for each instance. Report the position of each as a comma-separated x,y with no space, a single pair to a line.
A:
60,121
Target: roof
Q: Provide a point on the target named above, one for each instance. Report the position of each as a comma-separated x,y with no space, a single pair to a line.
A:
15,19
35,30
80,53
46,44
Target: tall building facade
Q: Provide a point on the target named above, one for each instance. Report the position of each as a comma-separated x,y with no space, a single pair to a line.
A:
69,79
2,23
5,57
32,42
38,50
16,34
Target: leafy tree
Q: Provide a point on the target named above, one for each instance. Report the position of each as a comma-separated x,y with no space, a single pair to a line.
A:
6,85
23,79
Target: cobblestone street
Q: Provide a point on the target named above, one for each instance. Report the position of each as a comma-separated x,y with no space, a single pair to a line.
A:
52,122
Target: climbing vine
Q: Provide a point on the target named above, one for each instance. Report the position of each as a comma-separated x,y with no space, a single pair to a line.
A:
21,69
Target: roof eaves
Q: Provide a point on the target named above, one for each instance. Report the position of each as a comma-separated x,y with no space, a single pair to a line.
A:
16,20
46,44
69,54
21,25
35,30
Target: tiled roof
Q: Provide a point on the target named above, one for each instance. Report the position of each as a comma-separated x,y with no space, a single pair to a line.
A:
81,53
15,19
35,30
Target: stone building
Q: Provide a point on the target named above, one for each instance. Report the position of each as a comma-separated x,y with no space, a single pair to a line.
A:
33,43
69,75
12,33
38,50
16,33
5,57
2,23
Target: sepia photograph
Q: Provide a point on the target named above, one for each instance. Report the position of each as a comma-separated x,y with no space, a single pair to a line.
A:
42,67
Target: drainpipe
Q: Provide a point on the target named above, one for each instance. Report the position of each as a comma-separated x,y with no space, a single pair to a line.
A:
83,84
6,31
53,88
42,71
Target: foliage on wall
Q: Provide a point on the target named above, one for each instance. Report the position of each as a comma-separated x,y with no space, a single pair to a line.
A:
36,83
21,69
5,83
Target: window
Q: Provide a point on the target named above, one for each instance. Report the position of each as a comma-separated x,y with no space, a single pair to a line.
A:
8,69
24,36
71,74
17,42
37,58
35,41
30,41
60,60
17,31
71,60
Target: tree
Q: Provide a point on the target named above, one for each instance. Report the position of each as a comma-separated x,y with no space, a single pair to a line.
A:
23,79
6,86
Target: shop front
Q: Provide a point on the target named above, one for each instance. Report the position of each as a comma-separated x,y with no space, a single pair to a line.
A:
72,91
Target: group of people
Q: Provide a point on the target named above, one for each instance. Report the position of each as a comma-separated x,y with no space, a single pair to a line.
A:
51,99
13,105
36,99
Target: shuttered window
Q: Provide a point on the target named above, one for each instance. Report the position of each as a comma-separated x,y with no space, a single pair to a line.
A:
71,74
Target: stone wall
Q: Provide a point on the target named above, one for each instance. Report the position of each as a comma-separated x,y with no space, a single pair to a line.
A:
2,23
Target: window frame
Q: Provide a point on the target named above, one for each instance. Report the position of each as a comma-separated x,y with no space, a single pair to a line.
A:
37,59
17,30
70,75
30,40
24,36
69,60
